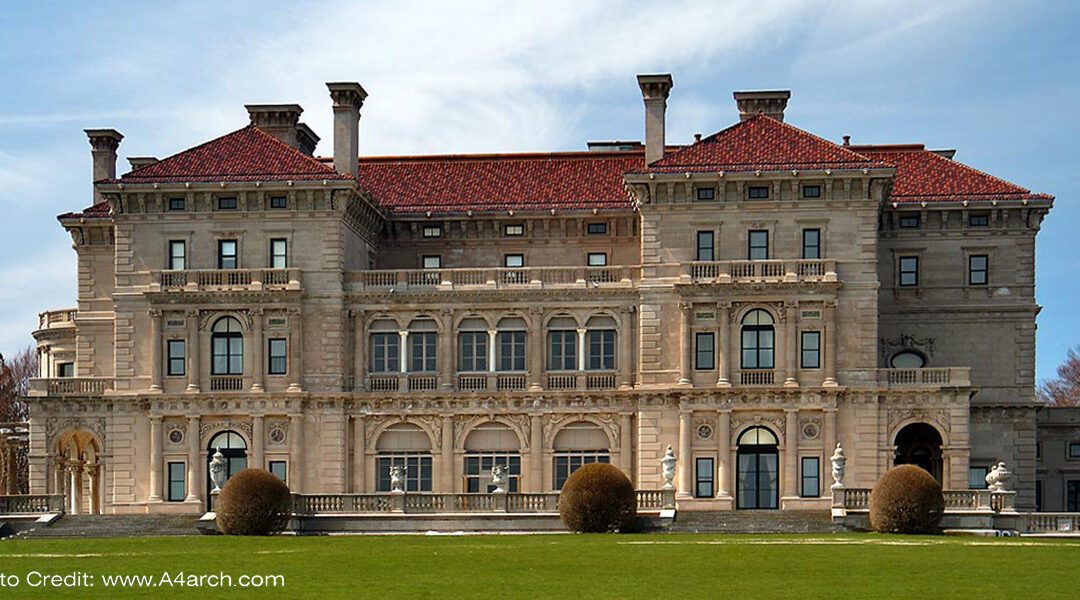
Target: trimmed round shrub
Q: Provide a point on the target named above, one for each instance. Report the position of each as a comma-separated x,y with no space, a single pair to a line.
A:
598,498
906,499
253,502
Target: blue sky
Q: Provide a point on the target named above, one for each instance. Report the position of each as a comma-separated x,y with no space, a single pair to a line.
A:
995,80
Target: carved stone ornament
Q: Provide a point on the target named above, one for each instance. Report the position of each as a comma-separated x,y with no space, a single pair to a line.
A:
55,425
928,415
839,463
498,479
206,427
704,431
277,433
997,480
889,346
667,468
175,435
810,427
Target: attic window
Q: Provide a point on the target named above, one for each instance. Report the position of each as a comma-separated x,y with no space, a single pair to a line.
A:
758,192
514,230
279,202
597,229
706,194
811,191
978,220
432,231
176,204
908,221
226,203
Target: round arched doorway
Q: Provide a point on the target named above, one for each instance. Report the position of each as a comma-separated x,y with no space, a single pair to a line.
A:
233,450
758,470
919,444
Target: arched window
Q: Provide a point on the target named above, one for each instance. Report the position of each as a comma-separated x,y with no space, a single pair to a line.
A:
757,340
578,444
908,359
758,469
472,345
233,450
404,445
511,348
600,340
227,346
488,445
919,444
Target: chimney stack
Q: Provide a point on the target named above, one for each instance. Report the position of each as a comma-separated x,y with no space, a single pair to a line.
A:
103,145
283,122
348,97
771,103
138,162
654,90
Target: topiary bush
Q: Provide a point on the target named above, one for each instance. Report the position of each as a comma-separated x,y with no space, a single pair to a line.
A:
598,498
906,499
253,502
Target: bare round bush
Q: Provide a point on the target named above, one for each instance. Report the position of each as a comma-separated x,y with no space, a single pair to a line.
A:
598,498
253,502
906,499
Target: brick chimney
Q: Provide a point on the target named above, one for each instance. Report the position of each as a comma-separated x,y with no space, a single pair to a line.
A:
654,90
772,103
348,97
283,122
103,146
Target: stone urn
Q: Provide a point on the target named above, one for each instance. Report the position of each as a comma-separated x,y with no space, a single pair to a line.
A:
839,463
997,480
397,478
498,479
217,471
667,468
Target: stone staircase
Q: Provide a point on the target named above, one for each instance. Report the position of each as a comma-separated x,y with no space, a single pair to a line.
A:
110,526
753,521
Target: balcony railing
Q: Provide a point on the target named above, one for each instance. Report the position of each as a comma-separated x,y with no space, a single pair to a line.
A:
429,502
227,279
760,271
756,377
492,278
934,377
226,383
57,318
30,504
69,386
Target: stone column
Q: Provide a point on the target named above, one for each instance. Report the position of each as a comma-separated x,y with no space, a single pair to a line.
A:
831,341
626,445
359,352
685,464
155,458
828,434
724,468
359,483
723,331
76,487
446,350
194,459
536,459
625,359
492,333
257,351
791,348
257,444
155,350
403,358
446,486
296,453
791,453
93,471
60,477
193,356
296,351
581,348
687,344
536,349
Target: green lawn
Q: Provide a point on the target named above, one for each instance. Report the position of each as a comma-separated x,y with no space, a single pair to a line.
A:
657,566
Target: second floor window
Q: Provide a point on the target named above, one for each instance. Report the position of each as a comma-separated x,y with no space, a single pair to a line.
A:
175,353
227,254
473,351
278,253
811,350
601,350
758,244
757,340
811,243
909,271
978,269
562,350
705,246
704,351
277,363
511,350
422,352
385,352
177,255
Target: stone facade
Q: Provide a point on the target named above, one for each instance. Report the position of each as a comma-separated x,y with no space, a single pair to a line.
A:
1058,472
335,335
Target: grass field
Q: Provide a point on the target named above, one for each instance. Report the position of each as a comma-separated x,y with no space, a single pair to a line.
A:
560,566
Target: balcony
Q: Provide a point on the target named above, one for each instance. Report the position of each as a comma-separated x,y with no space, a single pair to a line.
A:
760,271
69,386
492,278
756,377
214,280
57,318
936,377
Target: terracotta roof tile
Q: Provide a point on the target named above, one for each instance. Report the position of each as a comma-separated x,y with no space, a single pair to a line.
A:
248,154
98,211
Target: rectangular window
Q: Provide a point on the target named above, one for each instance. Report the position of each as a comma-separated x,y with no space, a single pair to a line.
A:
597,259
601,350
566,463
811,243
758,244
65,369
226,203
705,246
278,467
909,271
706,194
978,269
757,192
908,221
278,253
514,230
385,352
422,352
277,363
227,354
978,220
433,261
1072,496
704,351
514,261
227,254
417,470
279,202
177,203
177,255
976,478
562,350
175,353
478,471
811,350
596,228
811,477
511,350
811,191
432,231
704,477
176,491
1074,450
472,351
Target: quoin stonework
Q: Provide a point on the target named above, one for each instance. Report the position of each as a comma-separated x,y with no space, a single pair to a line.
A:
750,299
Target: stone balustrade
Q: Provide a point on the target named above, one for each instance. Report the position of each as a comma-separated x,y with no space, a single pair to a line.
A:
934,377
858,499
64,317
226,279
69,386
759,271
29,504
427,502
405,280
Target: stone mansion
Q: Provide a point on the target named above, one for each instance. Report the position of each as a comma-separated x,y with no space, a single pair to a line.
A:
750,299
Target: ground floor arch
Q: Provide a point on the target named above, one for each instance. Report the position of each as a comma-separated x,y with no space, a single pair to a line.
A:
758,469
78,471
919,444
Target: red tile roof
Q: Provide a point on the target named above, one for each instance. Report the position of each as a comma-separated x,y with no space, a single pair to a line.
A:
500,182
924,176
248,154
760,143
98,211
